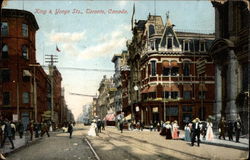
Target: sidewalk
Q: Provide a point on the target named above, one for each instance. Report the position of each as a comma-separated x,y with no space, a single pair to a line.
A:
18,143
242,145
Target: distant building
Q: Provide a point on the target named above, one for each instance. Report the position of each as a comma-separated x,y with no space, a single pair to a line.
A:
171,74
230,52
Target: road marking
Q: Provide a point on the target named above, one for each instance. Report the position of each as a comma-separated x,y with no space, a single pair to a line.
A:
92,149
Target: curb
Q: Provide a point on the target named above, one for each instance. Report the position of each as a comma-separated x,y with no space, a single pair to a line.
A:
23,146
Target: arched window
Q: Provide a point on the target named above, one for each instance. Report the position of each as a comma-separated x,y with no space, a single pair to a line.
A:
186,68
5,51
25,53
165,68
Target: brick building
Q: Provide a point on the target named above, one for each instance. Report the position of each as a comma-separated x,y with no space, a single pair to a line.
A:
18,52
171,73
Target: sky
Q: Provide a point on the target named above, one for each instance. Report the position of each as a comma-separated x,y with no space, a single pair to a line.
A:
88,34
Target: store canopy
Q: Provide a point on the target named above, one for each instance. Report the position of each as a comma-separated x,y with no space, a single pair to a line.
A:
128,117
145,90
174,87
110,117
166,88
152,89
187,87
202,87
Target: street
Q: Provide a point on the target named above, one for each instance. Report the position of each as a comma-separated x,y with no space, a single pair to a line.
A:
56,147
129,145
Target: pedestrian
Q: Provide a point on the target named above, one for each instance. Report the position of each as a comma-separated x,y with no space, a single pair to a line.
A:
175,130
237,127
196,130
222,127
187,132
36,129
13,129
99,125
31,129
158,126
142,126
209,134
230,128
103,125
20,129
151,126
44,129
163,129
92,129
168,129
204,130
155,125
7,133
121,126
138,125
70,129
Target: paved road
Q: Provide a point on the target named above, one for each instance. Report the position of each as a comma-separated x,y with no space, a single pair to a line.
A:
136,145
56,147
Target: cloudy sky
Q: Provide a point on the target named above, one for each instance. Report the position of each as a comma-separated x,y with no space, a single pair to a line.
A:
88,34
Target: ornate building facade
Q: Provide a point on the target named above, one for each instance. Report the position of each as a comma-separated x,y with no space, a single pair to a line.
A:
171,73
230,52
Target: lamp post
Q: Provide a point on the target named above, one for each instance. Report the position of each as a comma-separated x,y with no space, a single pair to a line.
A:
34,88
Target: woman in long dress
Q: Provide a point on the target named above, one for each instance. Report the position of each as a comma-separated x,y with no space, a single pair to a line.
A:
92,130
175,130
210,134
187,133
168,130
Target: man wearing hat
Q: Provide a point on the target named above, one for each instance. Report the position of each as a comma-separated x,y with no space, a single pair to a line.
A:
196,130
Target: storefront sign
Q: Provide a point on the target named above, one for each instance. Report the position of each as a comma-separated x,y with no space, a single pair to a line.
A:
137,109
15,117
155,109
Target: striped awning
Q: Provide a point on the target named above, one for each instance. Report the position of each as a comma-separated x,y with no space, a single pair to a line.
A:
202,87
145,90
172,87
187,87
174,64
152,89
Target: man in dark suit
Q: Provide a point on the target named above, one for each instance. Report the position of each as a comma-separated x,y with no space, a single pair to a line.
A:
237,127
196,130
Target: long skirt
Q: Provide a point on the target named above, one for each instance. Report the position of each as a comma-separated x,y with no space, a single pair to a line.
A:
168,134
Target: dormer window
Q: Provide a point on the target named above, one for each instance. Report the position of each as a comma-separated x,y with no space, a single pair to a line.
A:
186,45
151,30
170,42
202,46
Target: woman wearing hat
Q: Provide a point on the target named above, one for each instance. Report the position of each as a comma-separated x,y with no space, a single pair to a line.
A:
175,130
168,130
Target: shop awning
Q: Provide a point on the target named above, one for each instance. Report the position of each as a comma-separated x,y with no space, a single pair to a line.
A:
110,117
128,117
152,89
166,88
145,90
26,73
174,64
202,87
187,87
174,87
165,64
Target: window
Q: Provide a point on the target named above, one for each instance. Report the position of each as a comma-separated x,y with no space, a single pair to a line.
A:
170,43
144,96
153,68
174,71
166,71
5,75
4,29
174,95
25,52
151,30
187,108
186,45
5,51
25,31
172,111
202,46
6,98
26,97
202,94
165,95
186,67
152,95
186,95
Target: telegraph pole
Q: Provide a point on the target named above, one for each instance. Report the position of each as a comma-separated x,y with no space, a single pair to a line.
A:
51,59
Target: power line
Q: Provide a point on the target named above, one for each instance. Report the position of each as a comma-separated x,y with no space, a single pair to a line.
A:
84,69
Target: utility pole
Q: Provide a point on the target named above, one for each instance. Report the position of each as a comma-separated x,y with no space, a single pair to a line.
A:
51,59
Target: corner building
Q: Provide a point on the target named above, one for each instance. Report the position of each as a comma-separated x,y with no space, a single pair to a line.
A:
173,71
